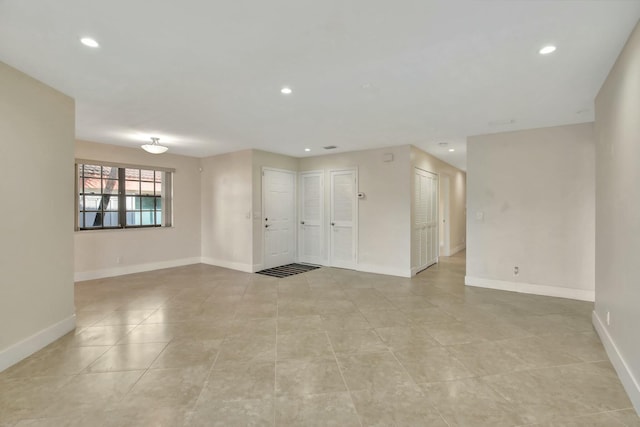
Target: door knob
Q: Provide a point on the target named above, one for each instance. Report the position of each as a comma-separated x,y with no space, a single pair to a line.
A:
266,226
333,223
302,222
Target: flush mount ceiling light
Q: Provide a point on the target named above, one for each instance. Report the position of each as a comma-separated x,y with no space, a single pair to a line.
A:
286,90
154,147
451,150
88,41
547,50
307,149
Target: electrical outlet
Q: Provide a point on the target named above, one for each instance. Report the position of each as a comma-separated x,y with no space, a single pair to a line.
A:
516,270
608,318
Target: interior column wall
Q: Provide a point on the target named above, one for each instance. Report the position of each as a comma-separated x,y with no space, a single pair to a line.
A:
36,244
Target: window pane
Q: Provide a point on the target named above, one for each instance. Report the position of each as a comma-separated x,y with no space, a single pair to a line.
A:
147,175
109,172
158,218
110,186
158,176
148,203
92,202
132,187
92,219
159,203
91,171
132,174
133,218
158,189
147,188
110,219
92,186
147,218
133,203
81,220
112,204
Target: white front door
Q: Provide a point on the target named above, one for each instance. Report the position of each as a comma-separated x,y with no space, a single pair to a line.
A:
278,209
343,220
311,213
425,219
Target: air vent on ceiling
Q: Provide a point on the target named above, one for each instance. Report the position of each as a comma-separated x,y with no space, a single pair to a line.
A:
329,147
502,122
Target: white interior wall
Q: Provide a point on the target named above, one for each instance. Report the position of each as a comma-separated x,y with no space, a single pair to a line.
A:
36,219
227,197
531,204
383,215
617,269
104,253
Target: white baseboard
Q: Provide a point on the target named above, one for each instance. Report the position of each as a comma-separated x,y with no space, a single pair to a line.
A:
380,269
630,383
12,355
529,288
457,249
257,267
240,266
130,269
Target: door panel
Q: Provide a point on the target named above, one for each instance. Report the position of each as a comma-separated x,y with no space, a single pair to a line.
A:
311,236
278,201
425,226
343,220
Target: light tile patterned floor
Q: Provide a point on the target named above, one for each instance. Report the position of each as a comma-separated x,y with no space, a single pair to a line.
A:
206,346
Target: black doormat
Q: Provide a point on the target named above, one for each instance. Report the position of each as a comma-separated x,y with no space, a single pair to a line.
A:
287,270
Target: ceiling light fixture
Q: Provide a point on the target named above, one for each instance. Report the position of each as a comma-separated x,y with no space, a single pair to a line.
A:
88,41
451,150
154,147
547,50
286,90
307,149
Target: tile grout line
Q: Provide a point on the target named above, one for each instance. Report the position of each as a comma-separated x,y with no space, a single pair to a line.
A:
353,402
410,376
275,363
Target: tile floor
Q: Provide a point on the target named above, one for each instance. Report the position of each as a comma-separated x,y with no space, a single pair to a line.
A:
206,346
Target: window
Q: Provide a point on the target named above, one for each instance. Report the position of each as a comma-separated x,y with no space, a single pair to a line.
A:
122,196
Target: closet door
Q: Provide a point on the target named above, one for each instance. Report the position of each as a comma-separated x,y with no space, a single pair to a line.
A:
343,227
311,210
425,219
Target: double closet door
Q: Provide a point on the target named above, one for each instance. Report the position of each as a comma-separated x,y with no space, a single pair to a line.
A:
335,230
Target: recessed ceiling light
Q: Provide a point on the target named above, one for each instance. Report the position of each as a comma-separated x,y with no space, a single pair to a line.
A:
547,50
286,90
307,149
88,41
443,144
451,150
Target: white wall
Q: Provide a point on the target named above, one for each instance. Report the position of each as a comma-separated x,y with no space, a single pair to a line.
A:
259,160
535,190
384,214
618,215
227,197
97,251
457,194
36,220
